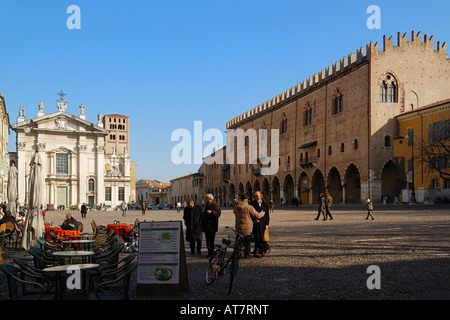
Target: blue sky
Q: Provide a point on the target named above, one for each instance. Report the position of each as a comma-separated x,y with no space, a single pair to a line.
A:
166,64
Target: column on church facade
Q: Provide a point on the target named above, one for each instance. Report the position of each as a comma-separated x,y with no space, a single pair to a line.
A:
73,179
100,170
82,171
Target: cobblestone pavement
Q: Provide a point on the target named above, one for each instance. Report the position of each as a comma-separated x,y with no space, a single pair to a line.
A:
318,259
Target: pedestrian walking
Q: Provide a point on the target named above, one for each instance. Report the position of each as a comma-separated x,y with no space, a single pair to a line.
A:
210,222
272,205
328,203
192,218
143,207
124,209
322,205
369,209
260,226
245,215
83,210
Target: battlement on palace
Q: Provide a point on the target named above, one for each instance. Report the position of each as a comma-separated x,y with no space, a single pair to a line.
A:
343,65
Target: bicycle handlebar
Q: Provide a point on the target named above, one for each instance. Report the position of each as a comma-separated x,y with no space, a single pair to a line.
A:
239,234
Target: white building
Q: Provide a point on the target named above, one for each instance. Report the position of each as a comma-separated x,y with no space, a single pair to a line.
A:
152,191
75,168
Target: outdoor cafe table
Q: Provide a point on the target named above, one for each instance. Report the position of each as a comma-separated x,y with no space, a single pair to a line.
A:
61,233
60,270
121,229
74,254
85,244
81,236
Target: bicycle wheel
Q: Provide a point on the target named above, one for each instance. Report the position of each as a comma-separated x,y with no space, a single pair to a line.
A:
233,269
212,271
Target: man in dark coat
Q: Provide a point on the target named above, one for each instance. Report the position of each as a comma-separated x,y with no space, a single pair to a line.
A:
191,216
210,222
83,210
260,225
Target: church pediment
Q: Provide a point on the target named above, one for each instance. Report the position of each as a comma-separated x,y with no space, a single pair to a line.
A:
61,149
59,121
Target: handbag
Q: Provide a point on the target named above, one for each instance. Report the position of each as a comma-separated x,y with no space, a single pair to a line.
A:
266,234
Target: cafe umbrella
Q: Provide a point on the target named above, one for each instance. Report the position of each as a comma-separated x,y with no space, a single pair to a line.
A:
34,222
12,190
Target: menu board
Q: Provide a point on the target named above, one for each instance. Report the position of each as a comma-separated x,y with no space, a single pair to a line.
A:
159,252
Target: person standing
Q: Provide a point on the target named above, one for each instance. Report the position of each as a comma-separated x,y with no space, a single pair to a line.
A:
191,217
83,210
260,225
124,209
328,203
210,222
272,205
143,207
322,205
369,209
245,215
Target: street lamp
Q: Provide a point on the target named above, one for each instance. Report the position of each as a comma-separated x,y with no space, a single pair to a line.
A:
412,199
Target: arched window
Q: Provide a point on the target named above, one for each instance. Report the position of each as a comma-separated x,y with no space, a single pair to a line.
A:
283,126
388,87
392,90
342,147
383,92
329,150
337,101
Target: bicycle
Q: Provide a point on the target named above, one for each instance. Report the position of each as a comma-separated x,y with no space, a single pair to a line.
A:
220,265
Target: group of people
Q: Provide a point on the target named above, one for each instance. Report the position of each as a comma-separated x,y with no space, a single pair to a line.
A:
251,217
326,201
6,216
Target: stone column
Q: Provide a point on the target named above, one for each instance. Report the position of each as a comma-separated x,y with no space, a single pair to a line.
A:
21,170
82,172
100,172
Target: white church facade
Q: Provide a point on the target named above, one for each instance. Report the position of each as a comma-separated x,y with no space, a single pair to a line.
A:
75,169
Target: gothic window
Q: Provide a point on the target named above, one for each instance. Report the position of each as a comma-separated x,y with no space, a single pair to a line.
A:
383,92
338,105
388,88
283,128
329,150
307,114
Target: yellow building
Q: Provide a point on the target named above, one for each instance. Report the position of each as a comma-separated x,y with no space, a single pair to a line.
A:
422,148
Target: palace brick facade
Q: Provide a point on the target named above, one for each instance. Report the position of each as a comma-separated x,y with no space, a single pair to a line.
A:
336,127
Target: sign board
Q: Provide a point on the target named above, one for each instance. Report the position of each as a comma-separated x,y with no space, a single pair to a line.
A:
162,261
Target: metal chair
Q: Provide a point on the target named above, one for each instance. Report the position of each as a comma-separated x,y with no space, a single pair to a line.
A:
25,286
116,289
43,259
